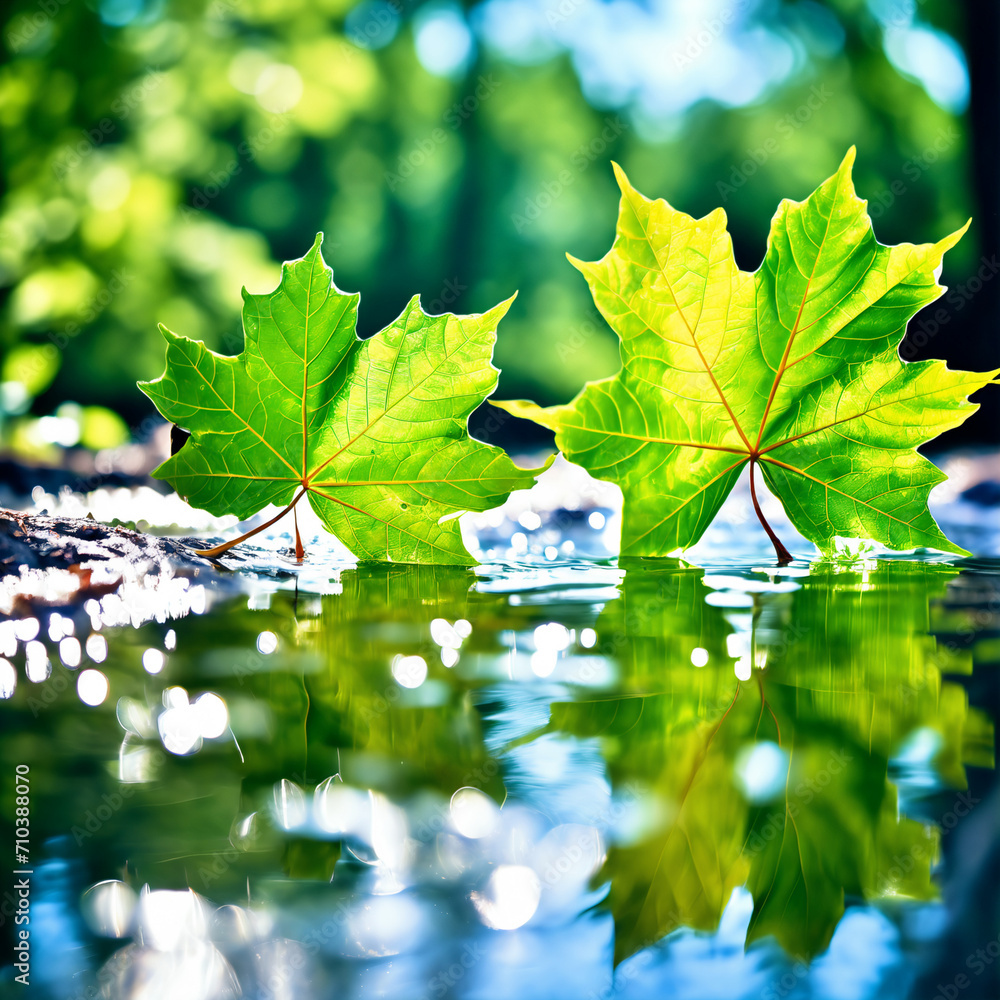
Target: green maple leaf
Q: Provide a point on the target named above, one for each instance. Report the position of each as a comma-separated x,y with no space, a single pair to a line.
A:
374,431
794,368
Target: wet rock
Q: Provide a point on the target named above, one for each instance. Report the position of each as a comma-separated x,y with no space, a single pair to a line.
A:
44,542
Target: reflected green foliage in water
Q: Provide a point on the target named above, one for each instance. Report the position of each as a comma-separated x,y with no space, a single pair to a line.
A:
637,755
391,736
838,673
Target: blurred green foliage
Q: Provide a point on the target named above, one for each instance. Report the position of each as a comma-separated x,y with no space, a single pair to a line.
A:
160,155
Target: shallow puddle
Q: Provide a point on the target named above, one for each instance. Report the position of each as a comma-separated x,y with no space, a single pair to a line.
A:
544,780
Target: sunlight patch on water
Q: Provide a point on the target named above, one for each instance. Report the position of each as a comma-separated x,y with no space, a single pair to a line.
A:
153,661
108,907
92,686
69,651
8,679
36,662
267,643
409,671
473,813
761,770
97,647
510,898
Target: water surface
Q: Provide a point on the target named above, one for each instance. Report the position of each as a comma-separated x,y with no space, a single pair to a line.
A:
551,779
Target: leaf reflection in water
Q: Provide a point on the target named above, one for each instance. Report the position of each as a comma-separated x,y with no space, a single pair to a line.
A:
591,766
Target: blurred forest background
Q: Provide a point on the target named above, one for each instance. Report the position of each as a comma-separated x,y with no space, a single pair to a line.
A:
160,154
